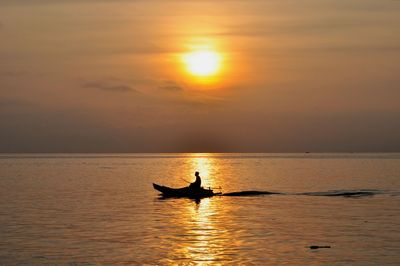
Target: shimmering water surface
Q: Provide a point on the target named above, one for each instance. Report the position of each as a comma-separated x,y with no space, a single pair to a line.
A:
88,209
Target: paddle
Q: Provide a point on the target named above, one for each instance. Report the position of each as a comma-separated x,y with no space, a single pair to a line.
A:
185,180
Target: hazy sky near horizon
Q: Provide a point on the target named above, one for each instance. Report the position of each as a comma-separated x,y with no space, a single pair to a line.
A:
106,76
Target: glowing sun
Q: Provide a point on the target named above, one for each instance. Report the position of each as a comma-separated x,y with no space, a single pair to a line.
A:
202,63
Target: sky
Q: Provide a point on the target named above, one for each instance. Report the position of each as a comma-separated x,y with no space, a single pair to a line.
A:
108,76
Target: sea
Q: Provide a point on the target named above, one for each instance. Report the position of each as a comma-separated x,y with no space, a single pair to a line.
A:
101,209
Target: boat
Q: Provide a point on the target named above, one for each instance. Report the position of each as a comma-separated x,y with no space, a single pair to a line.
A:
185,192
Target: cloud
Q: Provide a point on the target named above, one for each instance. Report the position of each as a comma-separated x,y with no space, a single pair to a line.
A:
12,74
10,105
7,102
109,86
312,25
170,86
186,96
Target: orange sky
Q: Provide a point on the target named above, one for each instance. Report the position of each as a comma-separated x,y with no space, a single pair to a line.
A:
95,76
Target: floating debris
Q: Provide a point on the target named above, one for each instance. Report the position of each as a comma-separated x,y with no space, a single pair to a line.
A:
317,247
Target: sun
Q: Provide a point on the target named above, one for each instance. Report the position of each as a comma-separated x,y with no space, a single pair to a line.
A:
202,63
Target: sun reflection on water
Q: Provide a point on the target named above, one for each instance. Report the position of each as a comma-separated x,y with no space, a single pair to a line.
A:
202,232
199,234
206,166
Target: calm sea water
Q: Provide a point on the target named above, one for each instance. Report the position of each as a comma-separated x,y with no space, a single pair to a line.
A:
85,209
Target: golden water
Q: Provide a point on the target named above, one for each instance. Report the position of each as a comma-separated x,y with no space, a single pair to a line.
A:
101,209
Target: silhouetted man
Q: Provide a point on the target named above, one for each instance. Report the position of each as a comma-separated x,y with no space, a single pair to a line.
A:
197,182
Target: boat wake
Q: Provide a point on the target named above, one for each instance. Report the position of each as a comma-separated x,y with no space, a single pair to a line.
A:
330,193
250,193
345,193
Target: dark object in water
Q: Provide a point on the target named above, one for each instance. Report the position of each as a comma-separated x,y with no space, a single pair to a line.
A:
317,247
185,192
250,193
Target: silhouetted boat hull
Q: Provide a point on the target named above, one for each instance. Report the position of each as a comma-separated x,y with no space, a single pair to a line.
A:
185,192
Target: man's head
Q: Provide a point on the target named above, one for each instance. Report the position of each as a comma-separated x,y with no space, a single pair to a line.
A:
196,174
